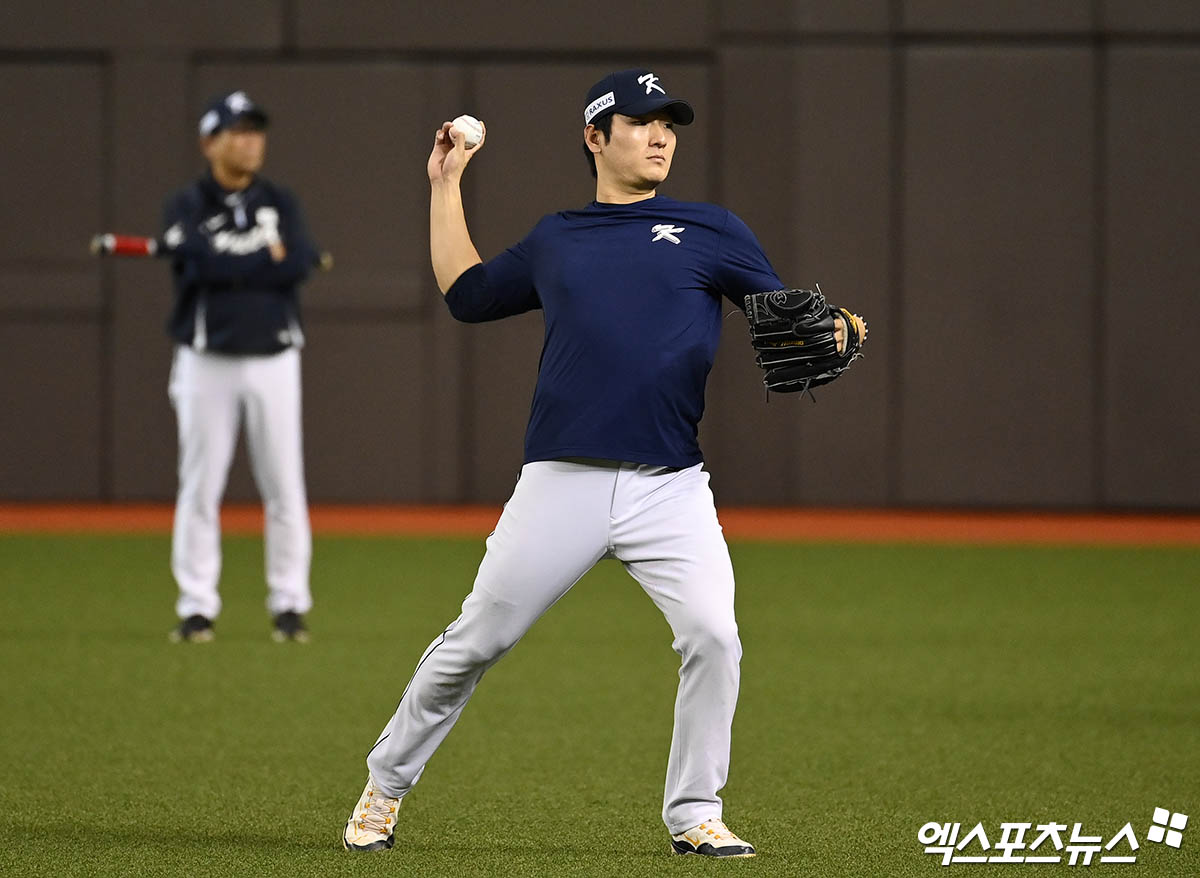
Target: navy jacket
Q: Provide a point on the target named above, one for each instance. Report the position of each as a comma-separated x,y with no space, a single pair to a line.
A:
230,296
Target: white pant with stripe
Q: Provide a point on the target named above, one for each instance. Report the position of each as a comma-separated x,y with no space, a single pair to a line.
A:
563,517
213,394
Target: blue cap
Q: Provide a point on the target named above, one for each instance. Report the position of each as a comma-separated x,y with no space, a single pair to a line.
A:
228,109
634,93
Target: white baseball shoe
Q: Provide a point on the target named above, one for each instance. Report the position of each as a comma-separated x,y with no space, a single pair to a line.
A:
711,839
372,826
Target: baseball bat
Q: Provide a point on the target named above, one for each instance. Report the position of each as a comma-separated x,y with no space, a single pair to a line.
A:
111,244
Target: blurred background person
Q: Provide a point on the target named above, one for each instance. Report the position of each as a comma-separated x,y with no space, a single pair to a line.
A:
240,250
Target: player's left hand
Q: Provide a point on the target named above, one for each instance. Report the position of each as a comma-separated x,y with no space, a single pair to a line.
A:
801,341
839,331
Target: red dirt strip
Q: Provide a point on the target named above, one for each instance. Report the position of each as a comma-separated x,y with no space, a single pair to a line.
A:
776,524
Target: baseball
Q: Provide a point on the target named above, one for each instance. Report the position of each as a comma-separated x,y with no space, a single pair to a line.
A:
470,128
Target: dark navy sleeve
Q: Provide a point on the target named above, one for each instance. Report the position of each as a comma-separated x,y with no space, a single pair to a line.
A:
498,288
193,251
741,266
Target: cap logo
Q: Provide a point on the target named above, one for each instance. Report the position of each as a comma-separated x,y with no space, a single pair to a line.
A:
239,103
651,82
597,106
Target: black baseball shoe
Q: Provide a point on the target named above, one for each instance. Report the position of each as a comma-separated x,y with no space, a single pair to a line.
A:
711,839
193,629
289,625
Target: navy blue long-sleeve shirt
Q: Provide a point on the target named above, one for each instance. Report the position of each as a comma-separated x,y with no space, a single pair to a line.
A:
631,295
230,296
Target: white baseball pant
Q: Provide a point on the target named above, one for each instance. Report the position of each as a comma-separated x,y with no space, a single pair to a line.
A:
562,518
212,394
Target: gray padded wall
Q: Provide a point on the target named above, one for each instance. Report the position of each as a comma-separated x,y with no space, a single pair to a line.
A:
538,25
1151,419
1004,188
1003,16
996,275
53,308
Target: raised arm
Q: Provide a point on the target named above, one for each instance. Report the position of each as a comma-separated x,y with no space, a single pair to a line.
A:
450,246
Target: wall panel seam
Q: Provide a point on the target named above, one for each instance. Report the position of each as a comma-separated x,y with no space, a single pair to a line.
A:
106,352
1100,273
515,57
894,421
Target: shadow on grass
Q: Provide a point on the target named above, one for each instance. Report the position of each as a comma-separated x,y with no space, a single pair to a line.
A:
160,636
181,838
174,837
57,636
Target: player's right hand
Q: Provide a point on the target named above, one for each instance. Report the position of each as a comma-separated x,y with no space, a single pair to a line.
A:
450,154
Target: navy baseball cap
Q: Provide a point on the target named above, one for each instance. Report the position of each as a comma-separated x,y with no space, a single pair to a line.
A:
634,93
228,109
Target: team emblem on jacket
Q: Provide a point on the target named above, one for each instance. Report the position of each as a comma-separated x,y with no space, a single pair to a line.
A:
665,232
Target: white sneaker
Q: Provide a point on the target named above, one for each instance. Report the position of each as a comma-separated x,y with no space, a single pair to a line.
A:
372,826
711,839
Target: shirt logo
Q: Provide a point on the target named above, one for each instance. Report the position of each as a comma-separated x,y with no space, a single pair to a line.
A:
241,243
666,232
651,82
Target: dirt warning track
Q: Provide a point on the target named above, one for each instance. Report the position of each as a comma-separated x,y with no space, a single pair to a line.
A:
739,523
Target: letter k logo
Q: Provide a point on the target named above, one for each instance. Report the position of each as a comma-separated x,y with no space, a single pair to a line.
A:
651,82
666,232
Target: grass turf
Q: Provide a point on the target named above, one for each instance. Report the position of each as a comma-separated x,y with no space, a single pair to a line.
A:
883,687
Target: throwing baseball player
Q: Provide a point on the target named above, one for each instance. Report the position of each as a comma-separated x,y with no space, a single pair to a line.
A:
631,288
239,251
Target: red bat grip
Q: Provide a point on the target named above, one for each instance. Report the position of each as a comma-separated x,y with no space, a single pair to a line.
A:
133,245
110,244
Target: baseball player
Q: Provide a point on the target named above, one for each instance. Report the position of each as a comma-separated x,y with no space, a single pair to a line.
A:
239,251
631,289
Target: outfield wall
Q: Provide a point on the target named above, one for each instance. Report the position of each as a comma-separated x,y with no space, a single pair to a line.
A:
1005,189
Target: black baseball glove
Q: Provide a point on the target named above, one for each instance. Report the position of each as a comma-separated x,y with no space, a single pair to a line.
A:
793,332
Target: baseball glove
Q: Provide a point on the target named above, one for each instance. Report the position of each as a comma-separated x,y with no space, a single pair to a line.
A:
793,332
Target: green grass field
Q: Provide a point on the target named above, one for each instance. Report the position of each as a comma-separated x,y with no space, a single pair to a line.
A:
883,687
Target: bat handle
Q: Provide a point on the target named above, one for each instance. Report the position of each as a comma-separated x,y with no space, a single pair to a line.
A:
108,244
